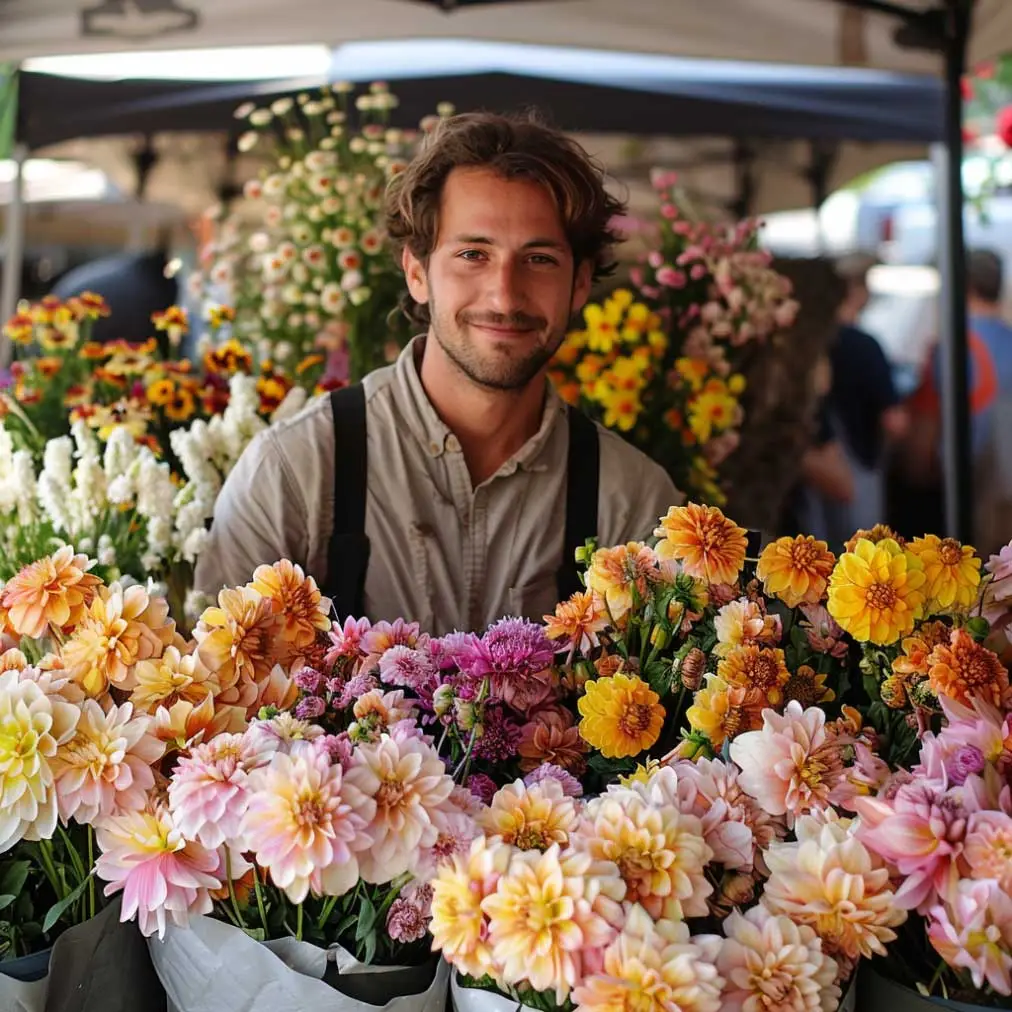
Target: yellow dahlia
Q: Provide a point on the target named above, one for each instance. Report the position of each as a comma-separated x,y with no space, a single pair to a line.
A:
169,678
708,545
459,926
951,571
743,621
120,628
964,670
876,592
722,711
302,611
796,570
542,916
757,668
615,573
622,716
51,593
530,818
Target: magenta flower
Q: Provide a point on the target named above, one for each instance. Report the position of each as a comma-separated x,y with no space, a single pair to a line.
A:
514,648
346,640
500,735
482,787
407,668
997,596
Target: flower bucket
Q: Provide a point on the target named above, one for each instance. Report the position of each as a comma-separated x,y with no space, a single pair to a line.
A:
23,982
879,994
214,967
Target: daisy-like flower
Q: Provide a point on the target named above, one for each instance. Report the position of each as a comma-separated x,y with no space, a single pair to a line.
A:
616,573
303,613
164,877
964,670
830,881
876,591
378,639
770,962
951,571
53,592
753,667
808,687
168,679
33,726
530,818
646,970
880,532
576,623
792,765
105,769
235,642
974,933
542,917
207,792
660,851
622,715
708,545
722,711
185,724
406,784
306,824
459,926
120,628
742,621
796,570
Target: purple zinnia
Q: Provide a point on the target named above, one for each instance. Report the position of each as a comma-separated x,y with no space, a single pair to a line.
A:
310,707
308,680
406,668
356,687
482,787
549,771
968,759
518,647
500,736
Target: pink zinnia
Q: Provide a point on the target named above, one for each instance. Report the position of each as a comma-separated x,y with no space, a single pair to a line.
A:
346,640
408,919
824,635
306,824
164,877
792,765
105,769
207,792
407,668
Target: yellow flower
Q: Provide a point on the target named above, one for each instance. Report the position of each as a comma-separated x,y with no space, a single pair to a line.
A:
161,392
181,406
693,371
530,818
711,411
219,315
796,570
736,384
615,573
642,773
951,571
876,591
303,613
589,368
602,325
722,711
622,716
167,679
753,667
621,409
708,545
808,687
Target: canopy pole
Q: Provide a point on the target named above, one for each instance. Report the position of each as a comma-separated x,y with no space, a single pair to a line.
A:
14,248
956,430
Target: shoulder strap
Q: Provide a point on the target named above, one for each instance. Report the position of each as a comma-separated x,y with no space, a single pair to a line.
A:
583,474
348,551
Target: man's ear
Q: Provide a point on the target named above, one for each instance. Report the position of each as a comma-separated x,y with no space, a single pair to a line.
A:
414,274
582,283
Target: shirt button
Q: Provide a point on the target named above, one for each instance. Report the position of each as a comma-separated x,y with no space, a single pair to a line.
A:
434,449
453,443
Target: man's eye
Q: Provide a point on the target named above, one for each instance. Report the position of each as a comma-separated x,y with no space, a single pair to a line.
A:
471,254
542,258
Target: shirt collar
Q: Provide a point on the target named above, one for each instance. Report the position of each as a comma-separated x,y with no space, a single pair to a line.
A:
436,438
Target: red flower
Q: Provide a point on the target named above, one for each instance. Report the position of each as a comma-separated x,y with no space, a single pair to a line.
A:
1003,125
966,87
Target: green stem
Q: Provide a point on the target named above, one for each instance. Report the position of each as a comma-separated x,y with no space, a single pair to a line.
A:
231,889
298,923
91,865
46,859
260,900
328,909
939,970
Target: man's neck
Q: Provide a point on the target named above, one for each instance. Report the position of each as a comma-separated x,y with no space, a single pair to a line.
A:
979,307
491,425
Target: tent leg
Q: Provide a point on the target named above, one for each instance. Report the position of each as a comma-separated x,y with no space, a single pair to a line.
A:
14,249
954,358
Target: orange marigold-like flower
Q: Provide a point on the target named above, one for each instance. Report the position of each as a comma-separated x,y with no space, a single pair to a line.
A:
964,670
951,570
917,649
301,609
754,667
577,622
808,687
722,711
796,570
708,545
616,572
53,592
622,716
880,532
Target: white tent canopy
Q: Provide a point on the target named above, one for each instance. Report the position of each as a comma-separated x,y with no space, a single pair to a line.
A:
824,32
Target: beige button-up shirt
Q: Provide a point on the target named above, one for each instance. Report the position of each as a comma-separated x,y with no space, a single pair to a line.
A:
442,552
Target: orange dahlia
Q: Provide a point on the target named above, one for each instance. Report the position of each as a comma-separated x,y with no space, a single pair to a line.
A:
708,545
753,667
796,570
302,611
622,716
616,573
52,593
876,591
951,571
577,622
917,647
721,711
964,670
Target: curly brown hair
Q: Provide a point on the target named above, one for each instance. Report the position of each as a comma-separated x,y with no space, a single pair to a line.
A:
514,147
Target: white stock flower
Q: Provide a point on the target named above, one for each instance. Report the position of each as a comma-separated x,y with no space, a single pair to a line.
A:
120,451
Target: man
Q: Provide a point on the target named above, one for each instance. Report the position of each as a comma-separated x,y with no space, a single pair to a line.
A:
989,341
863,402
462,489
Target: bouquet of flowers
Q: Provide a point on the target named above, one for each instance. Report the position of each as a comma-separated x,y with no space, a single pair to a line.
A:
303,258
666,362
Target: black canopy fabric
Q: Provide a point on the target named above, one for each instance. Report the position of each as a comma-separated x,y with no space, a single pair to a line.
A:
608,93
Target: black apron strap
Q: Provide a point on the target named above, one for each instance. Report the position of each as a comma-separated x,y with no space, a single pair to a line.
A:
348,551
583,474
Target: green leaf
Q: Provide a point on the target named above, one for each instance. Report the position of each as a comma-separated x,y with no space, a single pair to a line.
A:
344,925
366,920
57,910
257,934
14,877
6,900
370,948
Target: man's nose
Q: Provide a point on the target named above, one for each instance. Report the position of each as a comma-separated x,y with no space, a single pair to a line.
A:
505,287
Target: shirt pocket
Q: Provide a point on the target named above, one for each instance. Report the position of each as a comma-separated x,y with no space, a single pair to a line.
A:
536,598
422,542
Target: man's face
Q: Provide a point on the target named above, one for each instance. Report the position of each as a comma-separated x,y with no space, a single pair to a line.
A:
500,284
